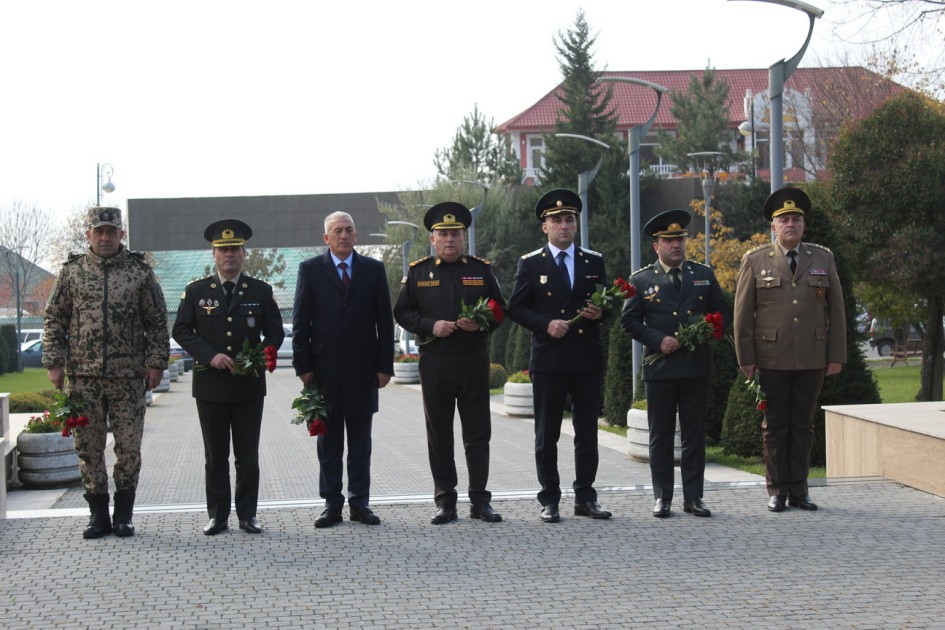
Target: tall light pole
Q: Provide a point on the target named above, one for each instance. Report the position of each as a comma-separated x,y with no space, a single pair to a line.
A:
708,187
405,246
778,74
635,136
106,171
584,182
747,129
474,211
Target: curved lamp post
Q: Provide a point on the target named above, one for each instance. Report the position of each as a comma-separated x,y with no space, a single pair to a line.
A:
747,128
777,75
106,171
584,181
635,139
405,246
474,211
708,187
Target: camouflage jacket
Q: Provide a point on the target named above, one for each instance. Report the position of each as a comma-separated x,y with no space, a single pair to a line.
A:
106,318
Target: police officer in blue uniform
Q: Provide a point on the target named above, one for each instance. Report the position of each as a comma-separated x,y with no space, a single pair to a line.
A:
553,285
216,314
668,293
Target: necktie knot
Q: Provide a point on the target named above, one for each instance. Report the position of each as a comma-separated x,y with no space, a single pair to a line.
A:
676,280
345,278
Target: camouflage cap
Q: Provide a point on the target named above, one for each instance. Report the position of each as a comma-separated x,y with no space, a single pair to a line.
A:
103,216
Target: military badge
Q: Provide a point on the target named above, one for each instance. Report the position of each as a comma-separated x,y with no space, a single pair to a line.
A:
650,294
543,279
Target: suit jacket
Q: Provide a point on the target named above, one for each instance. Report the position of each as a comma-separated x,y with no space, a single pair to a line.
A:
789,323
433,289
344,336
205,327
540,295
658,309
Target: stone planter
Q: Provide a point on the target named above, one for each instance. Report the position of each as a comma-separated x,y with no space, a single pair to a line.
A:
46,460
174,370
407,372
638,437
165,385
518,399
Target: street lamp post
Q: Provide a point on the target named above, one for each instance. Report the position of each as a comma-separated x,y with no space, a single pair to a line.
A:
708,187
584,182
107,171
635,137
778,74
474,211
405,246
747,129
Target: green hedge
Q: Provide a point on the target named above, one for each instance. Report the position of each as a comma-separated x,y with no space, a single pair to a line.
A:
31,402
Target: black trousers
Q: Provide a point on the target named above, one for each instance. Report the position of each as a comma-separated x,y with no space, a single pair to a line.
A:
550,390
217,421
331,448
788,428
451,382
664,399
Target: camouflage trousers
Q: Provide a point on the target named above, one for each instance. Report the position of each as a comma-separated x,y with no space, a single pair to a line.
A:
119,404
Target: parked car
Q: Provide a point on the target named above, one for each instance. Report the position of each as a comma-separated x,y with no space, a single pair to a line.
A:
182,355
404,342
29,334
32,353
883,337
285,350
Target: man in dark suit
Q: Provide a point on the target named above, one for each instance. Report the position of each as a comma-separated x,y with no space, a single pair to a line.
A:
216,314
553,285
790,329
668,294
343,340
454,357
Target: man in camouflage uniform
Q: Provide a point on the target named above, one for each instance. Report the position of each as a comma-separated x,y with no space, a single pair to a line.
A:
105,343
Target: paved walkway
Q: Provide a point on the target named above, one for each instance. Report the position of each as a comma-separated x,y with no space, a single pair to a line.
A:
872,557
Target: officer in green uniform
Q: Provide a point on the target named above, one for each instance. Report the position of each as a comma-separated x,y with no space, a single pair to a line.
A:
216,314
105,344
454,357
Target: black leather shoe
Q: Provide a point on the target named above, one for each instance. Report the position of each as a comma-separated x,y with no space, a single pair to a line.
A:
592,509
251,526
549,514
776,503
696,507
661,509
803,502
214,527
364,515
327,518
444,514
485,512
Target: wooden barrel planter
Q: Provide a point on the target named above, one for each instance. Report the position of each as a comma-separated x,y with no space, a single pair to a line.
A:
638,437
46,460
518,399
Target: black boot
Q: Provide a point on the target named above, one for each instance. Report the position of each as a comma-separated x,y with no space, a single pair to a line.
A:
124,505
99,522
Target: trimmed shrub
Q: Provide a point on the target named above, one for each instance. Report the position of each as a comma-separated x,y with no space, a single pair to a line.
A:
497,376
741,426
618,380
499,341
9,342
31,402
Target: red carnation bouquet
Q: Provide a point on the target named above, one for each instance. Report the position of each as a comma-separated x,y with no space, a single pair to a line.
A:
312,408
68,411
251,360
605,298
482,313
699,331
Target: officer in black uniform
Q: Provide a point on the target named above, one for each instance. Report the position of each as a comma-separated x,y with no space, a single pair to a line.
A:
216,314
454,357
668,293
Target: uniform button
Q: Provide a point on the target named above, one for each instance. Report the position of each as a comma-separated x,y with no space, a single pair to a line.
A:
549,293
580,331
229,319
229,348
795,301
562,311
700,297
793,284
795,320
229,333
675,313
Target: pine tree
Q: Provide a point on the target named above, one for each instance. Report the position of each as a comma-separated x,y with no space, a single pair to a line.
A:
476,149
701,116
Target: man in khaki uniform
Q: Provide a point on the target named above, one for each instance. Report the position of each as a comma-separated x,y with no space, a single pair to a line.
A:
790,330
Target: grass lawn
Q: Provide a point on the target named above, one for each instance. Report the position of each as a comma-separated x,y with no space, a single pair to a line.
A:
29,380
897,384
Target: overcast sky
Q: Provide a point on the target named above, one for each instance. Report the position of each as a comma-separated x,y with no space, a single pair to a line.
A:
230,98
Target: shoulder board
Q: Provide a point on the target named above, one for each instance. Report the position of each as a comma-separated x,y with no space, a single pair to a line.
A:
592,252
695,263
482,260
641,269
534,253
757,249
136,255
73,257
199,280
826,249
424,259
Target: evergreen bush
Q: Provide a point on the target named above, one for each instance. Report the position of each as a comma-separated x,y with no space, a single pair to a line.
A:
497,376
618,379
741,426
31,402
9,342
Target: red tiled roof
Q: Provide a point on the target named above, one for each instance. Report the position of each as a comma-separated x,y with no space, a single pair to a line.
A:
635,104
